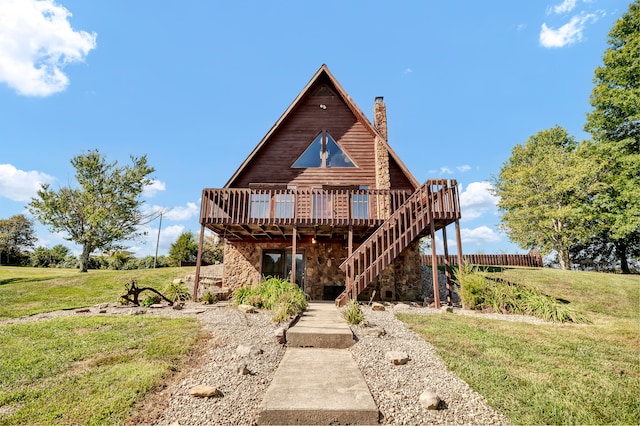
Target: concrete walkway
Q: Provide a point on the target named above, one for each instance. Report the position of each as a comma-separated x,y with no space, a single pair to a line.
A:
317,381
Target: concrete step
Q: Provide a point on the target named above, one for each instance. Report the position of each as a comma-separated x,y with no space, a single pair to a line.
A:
318,387
321,326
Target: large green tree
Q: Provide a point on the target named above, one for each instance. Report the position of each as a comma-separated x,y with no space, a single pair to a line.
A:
16,235
184,249
103,211
614,124
543,190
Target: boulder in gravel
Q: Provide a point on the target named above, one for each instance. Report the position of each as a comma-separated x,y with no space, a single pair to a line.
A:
248,350
247,309
397,357
178,281
375,306
281,335
204,391
242,369
375,331
83,310
178,306
429,399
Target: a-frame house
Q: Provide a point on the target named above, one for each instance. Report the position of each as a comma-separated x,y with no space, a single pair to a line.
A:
324,200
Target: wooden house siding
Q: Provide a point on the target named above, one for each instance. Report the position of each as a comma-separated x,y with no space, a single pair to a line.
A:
295,135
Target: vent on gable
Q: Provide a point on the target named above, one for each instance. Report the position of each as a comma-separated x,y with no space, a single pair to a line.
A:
323,91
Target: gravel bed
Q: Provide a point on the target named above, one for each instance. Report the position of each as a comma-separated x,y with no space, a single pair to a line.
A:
397,388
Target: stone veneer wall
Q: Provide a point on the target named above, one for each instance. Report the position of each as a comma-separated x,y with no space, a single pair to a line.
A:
400,281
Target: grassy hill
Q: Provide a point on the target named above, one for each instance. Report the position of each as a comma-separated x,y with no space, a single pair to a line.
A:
551,374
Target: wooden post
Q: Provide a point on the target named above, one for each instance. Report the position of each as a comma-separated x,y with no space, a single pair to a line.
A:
434,265
459,244
447,267
349,271
294,252
198,262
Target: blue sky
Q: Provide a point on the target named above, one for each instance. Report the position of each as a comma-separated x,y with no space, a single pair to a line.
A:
196,84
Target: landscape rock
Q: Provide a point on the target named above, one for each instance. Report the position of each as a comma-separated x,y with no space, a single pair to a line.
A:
137,311
429,399
178,306
83,311
178,281
248,350
281,335
102,311
204,391
448,309
157,306
247,309
397,357
375,306
242,369
375,331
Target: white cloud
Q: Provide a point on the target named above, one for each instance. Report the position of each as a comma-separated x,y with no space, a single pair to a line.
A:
564,7
464,168
183,212
480,235
407,71
477,199
568,34
36,43
177,214
18,185
153,188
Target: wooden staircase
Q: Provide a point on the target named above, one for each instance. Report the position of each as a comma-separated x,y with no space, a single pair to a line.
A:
431,207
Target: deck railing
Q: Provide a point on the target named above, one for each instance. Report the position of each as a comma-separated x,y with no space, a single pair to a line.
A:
337,207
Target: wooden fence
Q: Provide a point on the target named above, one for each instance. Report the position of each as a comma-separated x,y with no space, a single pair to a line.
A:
531,260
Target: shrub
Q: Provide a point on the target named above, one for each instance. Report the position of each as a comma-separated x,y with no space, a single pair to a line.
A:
473,286
275,294
352,312
150,299
177,291
209,298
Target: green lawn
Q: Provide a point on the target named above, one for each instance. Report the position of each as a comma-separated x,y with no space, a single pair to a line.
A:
552,374
28,291
83,369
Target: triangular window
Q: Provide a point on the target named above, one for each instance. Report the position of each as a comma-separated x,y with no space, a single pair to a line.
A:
323,152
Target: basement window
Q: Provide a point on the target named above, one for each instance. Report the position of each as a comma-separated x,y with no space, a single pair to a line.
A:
323,152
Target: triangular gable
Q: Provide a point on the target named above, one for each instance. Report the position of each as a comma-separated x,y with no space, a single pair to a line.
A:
323,72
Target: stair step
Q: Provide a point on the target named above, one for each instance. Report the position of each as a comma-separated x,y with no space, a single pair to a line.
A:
321,326
318,386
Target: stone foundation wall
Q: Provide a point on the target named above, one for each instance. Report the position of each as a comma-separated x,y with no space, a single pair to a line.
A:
324,279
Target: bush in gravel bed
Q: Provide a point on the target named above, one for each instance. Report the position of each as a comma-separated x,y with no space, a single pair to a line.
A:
352,312
276,294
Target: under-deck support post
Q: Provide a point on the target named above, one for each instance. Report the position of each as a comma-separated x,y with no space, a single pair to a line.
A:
459,244
294,252
434,265
349,272
447,267
196,280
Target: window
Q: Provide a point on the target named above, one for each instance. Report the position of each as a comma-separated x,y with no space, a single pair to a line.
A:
322,206
259,206
284,205
323,152
360,205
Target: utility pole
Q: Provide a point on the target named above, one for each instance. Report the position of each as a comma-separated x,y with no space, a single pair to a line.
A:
155,259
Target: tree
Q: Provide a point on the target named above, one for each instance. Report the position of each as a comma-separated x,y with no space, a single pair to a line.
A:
185,249
16,235
543,190
103,211
614,124
212,250
44,257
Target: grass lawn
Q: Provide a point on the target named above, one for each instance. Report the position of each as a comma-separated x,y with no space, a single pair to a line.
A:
89,369
28,291
551,374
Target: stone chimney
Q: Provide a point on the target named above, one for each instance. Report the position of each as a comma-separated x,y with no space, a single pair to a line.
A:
380,116
383,177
